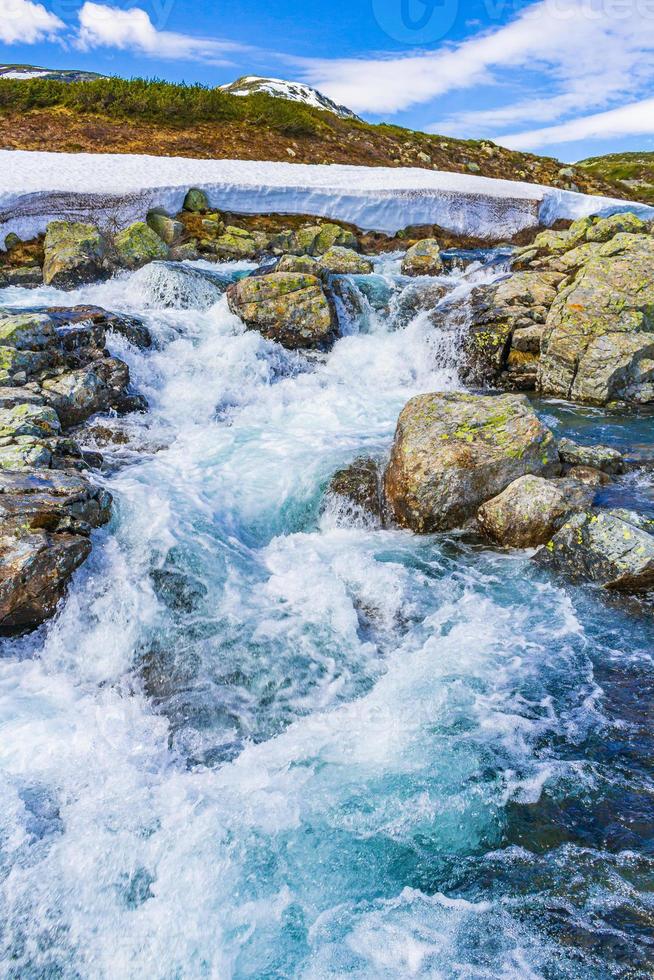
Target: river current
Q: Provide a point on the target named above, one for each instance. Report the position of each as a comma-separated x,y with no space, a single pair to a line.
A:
265,738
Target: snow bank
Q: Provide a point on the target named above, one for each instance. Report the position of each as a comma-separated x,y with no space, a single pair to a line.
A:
37,187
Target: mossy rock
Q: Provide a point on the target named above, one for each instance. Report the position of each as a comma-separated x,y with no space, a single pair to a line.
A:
196,200
139,244
166,228
75,253
288,307
344,261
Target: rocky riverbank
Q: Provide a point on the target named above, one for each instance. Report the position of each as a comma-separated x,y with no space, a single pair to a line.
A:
572,318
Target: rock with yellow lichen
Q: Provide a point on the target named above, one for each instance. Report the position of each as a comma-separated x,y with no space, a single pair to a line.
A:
453,451
613,548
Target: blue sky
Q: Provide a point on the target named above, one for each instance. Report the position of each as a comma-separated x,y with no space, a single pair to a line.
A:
570,78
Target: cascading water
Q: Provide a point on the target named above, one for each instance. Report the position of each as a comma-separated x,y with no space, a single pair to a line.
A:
261,740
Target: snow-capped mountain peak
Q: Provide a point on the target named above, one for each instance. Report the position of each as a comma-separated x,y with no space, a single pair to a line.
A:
282,89
27,72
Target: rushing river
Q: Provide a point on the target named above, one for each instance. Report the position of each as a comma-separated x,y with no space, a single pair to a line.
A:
267,739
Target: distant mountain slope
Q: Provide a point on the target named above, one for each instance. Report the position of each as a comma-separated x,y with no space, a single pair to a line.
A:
29,72
634,171
281,89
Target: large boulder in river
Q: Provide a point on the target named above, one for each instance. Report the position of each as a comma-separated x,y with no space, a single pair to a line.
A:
453,451
614,548
288,307
598,341
75,253
531,509
76,395
423,259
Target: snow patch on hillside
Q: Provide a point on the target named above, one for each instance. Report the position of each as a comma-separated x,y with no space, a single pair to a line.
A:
36,188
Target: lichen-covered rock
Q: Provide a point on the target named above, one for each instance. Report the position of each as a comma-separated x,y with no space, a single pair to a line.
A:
25,453
196,200
606,228
36,421
75,253
235,243
502,343
615,549
290,308
330,236
598,341
166,228
531,509
345,261
453,451
423,259
139,244
298,263
360,485
603,458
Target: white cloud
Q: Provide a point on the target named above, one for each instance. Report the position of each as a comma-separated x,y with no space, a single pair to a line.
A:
636,119
110,27
587,53
23,22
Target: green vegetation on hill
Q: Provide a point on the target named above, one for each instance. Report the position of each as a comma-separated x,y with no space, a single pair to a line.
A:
159,102
635,171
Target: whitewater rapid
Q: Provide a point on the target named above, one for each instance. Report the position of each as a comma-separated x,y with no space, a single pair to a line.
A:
307,761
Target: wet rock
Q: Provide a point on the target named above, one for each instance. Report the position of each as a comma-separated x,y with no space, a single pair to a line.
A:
422,296
589,475
196,200
177,590
24,419
614,549
360,483
51,500
25,453
35,569
75,253
139,244
531,509
290,308
45,520
66,318
76,395
344,261
602,458
453,451
598,341
167,285
423,259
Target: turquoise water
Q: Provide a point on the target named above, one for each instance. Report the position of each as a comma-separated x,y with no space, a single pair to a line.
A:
264,739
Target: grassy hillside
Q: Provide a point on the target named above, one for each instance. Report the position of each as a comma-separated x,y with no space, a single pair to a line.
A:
149,116
633,171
